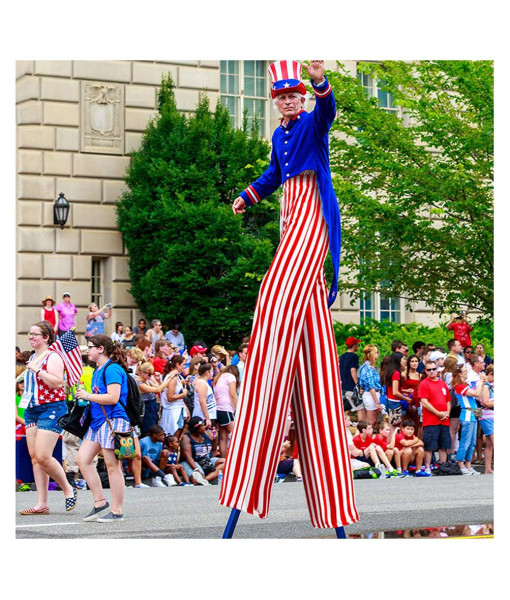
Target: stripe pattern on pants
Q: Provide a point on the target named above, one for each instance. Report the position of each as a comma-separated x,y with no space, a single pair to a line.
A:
291,316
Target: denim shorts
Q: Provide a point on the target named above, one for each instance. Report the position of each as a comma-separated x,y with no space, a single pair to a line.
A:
189,470
487,426
46,416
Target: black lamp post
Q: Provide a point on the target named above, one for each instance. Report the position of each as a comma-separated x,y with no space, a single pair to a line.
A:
60,211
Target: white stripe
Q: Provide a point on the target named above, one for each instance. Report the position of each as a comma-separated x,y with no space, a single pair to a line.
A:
46,525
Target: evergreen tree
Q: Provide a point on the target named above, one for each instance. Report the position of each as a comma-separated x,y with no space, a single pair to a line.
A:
191,260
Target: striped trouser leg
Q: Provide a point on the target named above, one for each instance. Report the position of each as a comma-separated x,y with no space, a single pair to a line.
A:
272,362
319,418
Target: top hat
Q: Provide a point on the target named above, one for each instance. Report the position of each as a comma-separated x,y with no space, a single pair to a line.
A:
286,77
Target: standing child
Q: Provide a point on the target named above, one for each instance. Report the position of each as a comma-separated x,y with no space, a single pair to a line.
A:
173,466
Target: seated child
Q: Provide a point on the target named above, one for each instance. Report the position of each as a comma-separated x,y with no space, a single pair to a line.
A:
155,457
288,464
372,453
172,445
410,448
387,443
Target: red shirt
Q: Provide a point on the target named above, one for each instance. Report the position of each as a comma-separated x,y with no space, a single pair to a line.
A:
159,364
438,394
360,444
399,437
389,391
381,441
461,333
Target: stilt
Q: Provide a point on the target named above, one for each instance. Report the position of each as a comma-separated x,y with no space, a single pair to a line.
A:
231,524
340,532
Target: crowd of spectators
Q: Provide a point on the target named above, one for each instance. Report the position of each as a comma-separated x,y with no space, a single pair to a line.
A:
428,405
406,412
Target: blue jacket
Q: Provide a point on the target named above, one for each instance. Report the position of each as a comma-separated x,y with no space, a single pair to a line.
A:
304,146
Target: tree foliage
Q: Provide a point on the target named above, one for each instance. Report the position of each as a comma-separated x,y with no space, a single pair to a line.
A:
191,260
416,193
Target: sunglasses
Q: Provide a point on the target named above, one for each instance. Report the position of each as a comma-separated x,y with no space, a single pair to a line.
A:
430,369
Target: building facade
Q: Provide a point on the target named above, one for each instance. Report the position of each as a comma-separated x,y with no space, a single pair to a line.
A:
77,123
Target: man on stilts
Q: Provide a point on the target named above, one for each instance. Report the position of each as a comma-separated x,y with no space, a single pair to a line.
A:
292,320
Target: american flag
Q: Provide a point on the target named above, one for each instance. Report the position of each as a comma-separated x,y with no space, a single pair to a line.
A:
69,351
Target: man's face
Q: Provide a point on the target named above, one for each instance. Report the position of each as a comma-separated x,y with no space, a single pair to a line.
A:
141,324
243,354
457,348
289,105
479,366
431,370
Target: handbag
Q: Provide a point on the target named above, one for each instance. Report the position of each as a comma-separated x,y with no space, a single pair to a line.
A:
77,421
206,464
123,441
356,398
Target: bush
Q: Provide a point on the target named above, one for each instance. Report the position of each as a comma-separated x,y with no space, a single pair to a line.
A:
384,332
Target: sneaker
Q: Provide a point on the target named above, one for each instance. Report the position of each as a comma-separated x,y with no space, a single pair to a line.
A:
92,516
299,479
423,473
198,477
142,485
428,471
465,471
182,484
473,471
111,518
81,484
169,478
406,473
156,482
396,473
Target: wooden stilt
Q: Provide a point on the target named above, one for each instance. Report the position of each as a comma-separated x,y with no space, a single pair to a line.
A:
231,524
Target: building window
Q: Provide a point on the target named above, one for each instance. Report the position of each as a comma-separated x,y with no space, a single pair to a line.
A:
372,87
377,306
97,281
243,88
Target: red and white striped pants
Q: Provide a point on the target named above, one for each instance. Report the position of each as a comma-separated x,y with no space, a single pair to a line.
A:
292,357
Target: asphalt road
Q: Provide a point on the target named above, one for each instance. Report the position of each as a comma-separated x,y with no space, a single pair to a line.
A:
186,512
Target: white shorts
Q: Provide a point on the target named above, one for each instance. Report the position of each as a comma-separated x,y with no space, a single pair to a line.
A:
368,401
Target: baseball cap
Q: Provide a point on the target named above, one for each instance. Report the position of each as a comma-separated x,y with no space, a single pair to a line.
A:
350,341
436,355
196,349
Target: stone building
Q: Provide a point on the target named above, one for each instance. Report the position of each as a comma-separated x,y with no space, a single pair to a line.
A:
77,123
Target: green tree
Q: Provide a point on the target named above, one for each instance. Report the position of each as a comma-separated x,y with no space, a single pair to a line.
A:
191,260
416,193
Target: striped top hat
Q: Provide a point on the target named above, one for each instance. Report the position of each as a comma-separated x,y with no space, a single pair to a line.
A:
286,77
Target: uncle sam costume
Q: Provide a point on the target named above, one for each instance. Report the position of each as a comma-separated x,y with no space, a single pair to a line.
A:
292,354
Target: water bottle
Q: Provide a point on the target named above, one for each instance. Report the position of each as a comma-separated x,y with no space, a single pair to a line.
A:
81,401
220,478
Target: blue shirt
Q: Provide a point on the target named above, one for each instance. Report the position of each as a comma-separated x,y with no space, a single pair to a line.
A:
369,378
303,145
113,373
150,449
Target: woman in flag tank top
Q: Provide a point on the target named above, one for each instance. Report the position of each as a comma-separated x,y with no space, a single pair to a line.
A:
44,403
292,318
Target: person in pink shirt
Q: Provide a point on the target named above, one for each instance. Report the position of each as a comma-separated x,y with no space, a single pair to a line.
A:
225,385
66,312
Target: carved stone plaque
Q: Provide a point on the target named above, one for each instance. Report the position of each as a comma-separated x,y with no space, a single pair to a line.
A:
102,117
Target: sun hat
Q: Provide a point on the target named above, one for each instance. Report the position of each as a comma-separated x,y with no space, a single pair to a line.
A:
46,299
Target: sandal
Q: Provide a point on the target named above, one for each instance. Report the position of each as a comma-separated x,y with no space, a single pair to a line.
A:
35,511
72,502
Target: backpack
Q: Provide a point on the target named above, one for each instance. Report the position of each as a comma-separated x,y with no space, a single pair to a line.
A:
454,402
135,406
449,467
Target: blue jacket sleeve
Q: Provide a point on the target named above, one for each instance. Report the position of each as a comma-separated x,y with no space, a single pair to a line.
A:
325,106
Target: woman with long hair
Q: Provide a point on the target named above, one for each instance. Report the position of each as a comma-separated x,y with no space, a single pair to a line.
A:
487,419
118,334
370,382
129,337
44,402
410,387
149,386
226,386
450,369
466,398
174,412
393,382
108,412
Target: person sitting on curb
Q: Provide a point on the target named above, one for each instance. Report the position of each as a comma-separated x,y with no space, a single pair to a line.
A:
173,466
410,448
287,464
387,443
372,453
196,453
155,457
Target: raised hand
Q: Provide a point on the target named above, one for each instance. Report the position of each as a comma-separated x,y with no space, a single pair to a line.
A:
315,70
